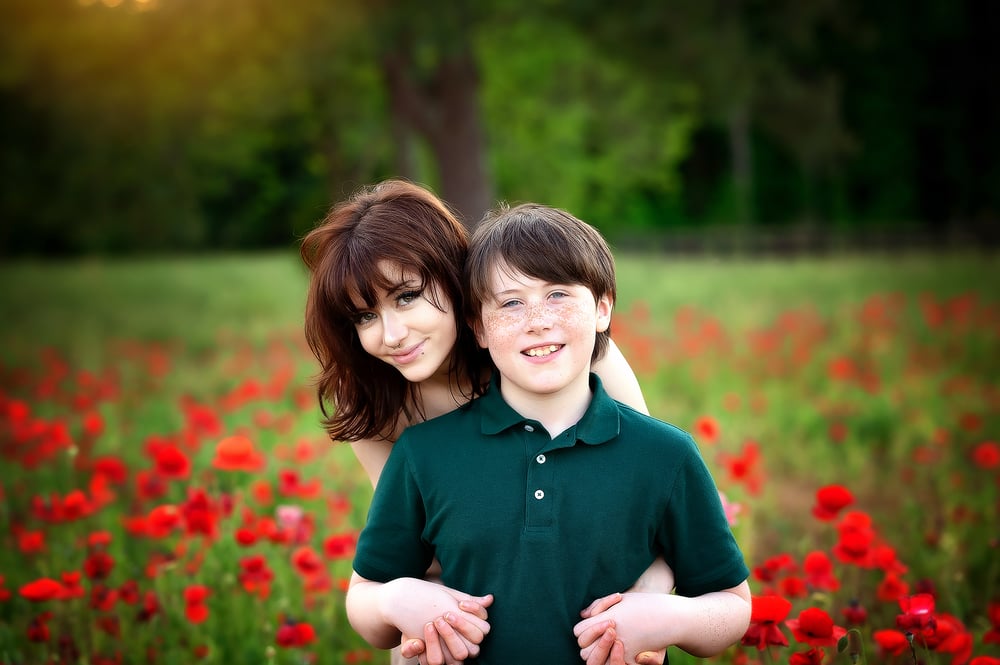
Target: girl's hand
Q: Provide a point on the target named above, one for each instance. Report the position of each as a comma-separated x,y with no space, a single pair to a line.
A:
452,637
598,634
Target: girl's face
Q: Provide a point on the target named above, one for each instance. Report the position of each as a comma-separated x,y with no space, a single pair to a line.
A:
406,329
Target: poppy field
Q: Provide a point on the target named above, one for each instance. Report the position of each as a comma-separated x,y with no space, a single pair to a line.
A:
168,496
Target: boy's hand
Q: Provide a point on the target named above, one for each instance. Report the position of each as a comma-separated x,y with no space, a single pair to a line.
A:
452,637
604,632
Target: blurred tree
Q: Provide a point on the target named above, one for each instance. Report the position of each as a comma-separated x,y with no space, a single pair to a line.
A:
753,64
432,80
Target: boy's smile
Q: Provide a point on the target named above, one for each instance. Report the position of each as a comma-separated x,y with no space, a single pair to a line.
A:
541,337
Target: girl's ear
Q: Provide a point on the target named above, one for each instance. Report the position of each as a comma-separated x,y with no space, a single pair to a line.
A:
604,306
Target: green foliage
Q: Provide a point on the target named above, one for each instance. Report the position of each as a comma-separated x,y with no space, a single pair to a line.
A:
555,138
207,124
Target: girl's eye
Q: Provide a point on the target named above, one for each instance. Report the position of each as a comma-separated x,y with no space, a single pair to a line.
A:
362,318
407,297
510,303
559,294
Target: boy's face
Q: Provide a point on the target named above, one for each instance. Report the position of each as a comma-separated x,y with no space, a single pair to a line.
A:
540,335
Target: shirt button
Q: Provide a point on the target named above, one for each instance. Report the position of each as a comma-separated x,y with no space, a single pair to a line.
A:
539,494
529,428
540,459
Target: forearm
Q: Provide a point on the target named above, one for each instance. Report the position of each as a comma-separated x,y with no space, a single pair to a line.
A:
365,600
703,626
708,624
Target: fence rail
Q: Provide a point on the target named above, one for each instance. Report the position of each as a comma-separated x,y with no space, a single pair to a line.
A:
782,242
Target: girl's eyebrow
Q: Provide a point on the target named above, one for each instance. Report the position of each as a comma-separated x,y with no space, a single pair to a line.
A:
404,285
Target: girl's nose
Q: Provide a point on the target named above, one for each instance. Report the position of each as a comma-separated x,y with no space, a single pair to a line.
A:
393,330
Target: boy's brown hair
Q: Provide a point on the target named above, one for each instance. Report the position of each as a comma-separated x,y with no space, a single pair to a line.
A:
544,243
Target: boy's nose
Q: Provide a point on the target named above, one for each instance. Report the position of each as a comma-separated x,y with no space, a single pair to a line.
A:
538,317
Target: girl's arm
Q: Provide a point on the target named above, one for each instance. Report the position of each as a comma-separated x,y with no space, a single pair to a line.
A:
380,612
703,625
619,379
372,454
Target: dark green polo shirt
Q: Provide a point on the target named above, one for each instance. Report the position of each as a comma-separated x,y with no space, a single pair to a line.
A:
546,525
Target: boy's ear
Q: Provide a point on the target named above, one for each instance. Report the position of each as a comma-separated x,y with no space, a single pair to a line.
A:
604,306
477,330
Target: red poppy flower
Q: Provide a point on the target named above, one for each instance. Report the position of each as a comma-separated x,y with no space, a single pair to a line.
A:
41,590
201,513
772,567
31,542
855,614
295,634
237,453
255,576
794,587
261,492
128,592
71,585
103,598
98,565
706,429
765,614
340,546
986,455
111,468
744,468
992,636
814,626
891,642
149,485
856,539
196,613
245,537
306,561
984,660
819,571
171,462
194,600
150,607
892,588
813,656
162,520
918,613
38,628
99,539
830,500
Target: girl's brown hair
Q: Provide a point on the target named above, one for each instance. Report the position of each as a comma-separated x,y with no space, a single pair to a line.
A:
401,223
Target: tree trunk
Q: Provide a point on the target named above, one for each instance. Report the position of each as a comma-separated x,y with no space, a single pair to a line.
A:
742,162
445,112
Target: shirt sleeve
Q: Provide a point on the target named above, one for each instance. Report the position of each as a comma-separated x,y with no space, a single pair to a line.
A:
698,543
391,544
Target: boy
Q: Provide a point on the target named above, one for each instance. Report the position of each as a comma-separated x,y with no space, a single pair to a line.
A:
538,491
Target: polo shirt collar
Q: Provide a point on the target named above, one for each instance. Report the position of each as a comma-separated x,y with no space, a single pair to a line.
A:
600,423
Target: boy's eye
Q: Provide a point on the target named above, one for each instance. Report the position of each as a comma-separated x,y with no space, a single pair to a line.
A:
509,303
559,294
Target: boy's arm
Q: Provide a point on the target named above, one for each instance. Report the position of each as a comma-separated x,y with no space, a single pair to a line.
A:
381,612
702,625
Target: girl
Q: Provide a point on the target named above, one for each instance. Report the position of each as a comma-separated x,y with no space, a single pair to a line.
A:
385,319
